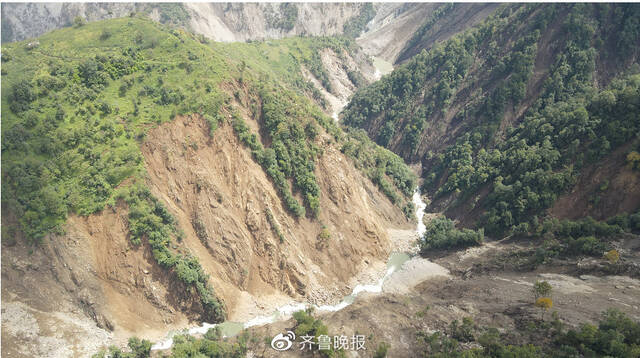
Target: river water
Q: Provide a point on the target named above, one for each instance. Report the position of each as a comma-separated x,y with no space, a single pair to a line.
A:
394,263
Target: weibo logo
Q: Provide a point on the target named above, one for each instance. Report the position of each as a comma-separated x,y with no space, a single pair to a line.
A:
283,342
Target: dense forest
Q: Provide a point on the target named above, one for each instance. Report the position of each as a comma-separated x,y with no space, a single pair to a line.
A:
504,116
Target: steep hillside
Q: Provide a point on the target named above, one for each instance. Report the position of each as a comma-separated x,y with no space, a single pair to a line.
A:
391,31
400,31
256,21
151,178
442,23
21,21
529,105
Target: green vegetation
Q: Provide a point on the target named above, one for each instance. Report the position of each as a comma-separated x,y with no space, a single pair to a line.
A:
76,108
381,351
274,225
149,219
292,152
308,325
172,13
383,167
79,21
566,238
72,126
511,171
138,349
72,121
541,289
323,238
78,112
357,23
615,336
292,124
442,234
211,345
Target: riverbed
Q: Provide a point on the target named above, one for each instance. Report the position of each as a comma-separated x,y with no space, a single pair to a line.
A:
404,270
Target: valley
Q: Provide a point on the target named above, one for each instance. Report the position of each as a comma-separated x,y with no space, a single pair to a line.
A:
447,180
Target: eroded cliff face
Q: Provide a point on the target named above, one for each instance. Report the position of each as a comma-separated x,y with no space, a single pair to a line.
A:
391,28
258,21
223,200
218,21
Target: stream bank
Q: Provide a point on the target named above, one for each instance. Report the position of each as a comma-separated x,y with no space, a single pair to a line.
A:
403,271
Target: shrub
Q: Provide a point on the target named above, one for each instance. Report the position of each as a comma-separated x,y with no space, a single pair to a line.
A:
541,289
105,34
323,238
381,351
442,234
545,304
21,96
78,21
612,256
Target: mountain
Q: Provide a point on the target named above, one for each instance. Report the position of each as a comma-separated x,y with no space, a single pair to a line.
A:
151,177
530,113
226,22
383,29
155,180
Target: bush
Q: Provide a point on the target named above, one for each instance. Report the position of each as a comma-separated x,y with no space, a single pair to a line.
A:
105,34
442,234
381,351
78,21
541,289
21,96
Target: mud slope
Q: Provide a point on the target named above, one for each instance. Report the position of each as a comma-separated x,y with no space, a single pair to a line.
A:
392,27
91,287
221,198
338,67
87,288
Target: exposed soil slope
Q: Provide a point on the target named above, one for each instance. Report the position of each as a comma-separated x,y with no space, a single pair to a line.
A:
460,18
92,281
87,288
392,27
221,198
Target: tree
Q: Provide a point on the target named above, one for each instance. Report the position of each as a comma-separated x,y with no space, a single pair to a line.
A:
633,160
21,96
612,256
541,289
323,238
545,304
139,348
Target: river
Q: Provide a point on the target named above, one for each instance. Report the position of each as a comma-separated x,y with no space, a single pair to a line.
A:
394,263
